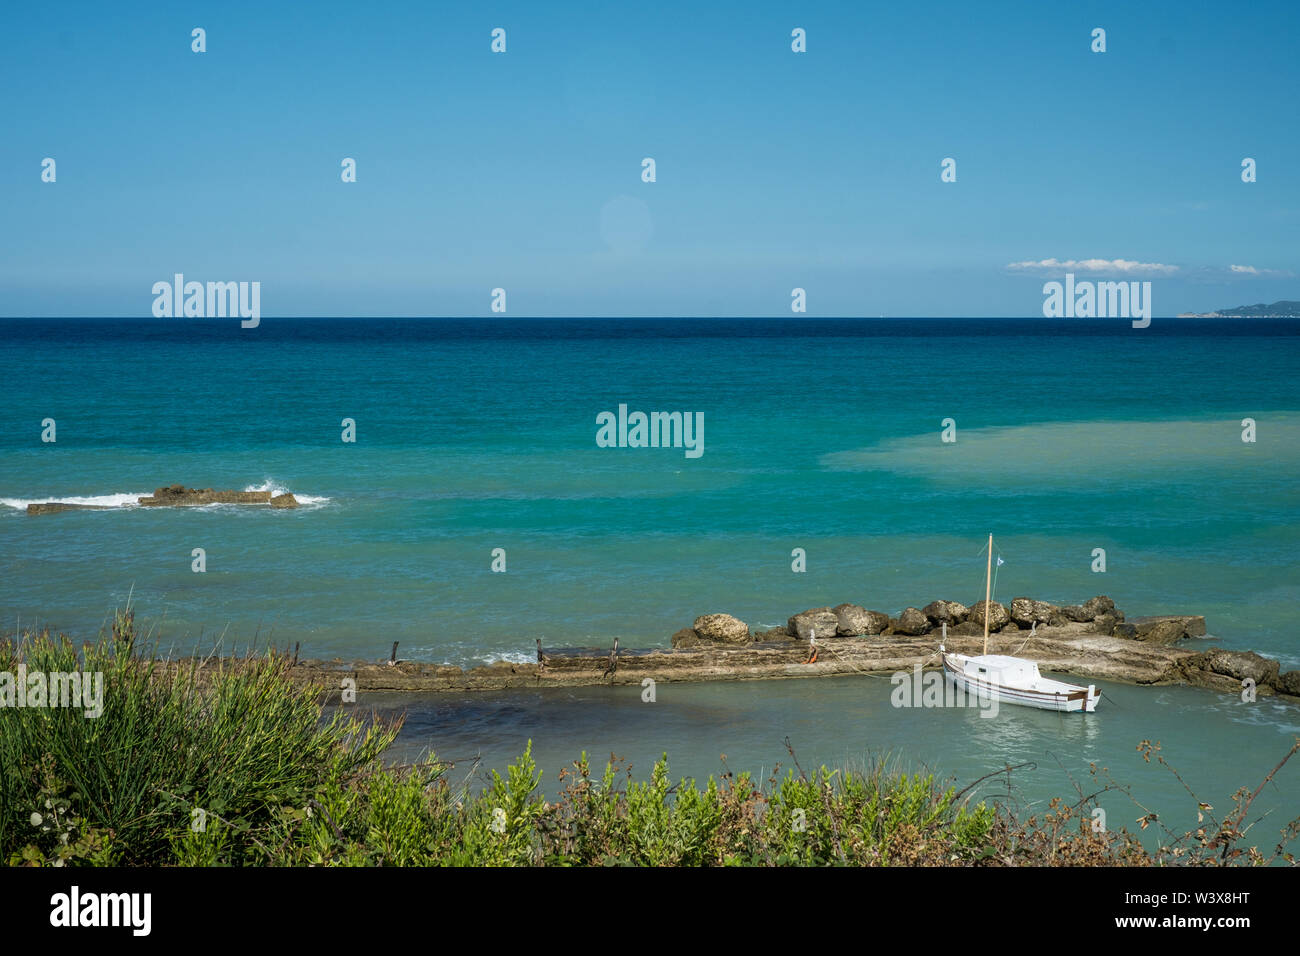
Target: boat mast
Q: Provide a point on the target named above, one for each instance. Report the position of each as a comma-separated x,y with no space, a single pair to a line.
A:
988,584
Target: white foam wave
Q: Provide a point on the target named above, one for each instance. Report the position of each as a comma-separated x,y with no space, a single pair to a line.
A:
275,488
102,501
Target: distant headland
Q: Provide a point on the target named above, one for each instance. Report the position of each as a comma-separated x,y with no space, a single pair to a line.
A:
1284,309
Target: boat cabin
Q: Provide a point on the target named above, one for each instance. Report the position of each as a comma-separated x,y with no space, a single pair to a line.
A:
1000,669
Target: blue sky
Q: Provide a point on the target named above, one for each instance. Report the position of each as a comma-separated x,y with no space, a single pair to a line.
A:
523,170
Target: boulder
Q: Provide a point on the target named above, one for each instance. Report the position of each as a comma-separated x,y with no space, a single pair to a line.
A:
774,634
1167,628
853,620
686,637
946,612
912,622
1288,683
285,500
966,629
1076,613
1127,631
998,615
1242,664
825,621
1097,606
722,629
1105,623
1027,612
879,621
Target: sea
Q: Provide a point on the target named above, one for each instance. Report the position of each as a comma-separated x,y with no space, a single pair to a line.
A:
479,507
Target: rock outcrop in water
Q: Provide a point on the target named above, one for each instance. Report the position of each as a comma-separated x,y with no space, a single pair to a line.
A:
54,507
178,496
1161,629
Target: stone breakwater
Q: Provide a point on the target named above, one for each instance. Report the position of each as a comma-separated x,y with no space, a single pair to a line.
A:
1024,614
178,496
1103,645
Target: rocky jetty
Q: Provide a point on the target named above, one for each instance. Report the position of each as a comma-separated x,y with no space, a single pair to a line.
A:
1089,640
178,496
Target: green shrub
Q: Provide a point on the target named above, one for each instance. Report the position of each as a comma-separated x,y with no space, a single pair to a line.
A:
238,747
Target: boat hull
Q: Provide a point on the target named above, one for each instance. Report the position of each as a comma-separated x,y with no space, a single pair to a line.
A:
1051,695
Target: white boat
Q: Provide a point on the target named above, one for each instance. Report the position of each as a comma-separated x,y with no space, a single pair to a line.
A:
1014,680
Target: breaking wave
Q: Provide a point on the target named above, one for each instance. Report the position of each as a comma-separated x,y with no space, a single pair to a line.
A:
275,488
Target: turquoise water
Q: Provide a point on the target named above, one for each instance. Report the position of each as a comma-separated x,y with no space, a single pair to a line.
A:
821,435
481,435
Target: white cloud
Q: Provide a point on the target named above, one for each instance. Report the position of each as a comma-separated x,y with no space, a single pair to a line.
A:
1112,266
1252,272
